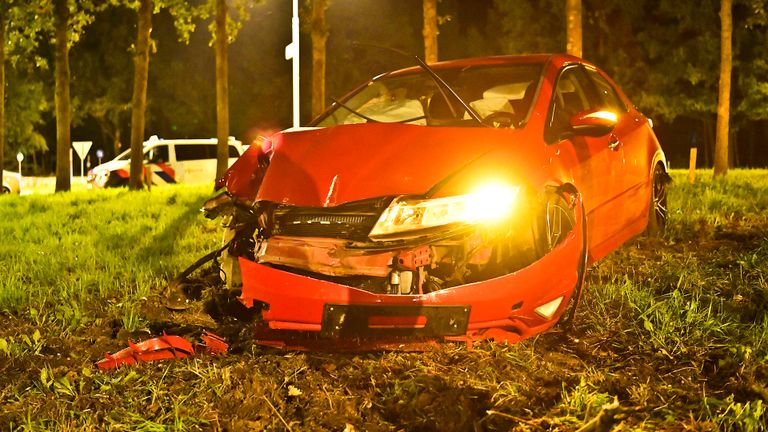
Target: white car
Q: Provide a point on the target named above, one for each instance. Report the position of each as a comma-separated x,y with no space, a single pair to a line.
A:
11,182
170,161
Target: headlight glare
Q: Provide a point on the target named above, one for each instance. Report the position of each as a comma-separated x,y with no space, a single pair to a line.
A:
487,204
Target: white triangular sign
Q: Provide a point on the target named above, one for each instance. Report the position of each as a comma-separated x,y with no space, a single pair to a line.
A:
82,147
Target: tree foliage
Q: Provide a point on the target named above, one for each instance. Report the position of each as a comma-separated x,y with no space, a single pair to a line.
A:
22,96
224,30
183,14
665,53
101,75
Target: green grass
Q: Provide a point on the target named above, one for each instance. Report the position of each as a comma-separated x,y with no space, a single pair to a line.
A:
676,329
69,252
695,303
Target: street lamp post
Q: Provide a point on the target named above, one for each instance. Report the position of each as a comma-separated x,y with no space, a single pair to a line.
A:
292,53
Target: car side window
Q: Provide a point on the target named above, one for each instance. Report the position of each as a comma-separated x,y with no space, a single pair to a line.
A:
574,93
185,152
610,98
157,154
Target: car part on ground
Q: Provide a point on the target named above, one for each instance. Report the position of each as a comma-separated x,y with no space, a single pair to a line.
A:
163,348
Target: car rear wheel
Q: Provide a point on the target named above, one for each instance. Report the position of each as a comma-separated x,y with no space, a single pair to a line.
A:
5,190
657,212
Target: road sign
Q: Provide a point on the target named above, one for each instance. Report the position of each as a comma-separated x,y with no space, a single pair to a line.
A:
82,147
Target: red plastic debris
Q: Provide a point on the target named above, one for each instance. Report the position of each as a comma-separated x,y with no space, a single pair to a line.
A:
213,344
162,348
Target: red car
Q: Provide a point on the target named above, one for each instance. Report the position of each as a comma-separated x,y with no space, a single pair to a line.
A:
460,200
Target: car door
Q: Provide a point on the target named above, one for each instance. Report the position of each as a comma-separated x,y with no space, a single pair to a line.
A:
599,166
159,162
631,132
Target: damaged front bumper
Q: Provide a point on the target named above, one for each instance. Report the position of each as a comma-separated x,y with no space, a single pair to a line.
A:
299,311
504,282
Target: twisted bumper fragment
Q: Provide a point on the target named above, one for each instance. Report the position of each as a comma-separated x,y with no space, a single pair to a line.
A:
163,348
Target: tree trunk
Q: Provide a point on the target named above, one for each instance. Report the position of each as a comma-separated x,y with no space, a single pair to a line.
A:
430,31
573,27
2,90
222,89
61,96
724,96
139,100
319,39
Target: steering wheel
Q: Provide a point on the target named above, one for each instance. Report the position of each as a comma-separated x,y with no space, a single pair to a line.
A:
500,119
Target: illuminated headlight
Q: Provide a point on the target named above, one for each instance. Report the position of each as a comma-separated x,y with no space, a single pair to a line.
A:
487,204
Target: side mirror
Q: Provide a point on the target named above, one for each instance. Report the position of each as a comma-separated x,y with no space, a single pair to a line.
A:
593,123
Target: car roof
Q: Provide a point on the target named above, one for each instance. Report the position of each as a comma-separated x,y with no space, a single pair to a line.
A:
155,140
556,59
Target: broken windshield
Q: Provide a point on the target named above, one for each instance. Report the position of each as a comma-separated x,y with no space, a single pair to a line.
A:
415,98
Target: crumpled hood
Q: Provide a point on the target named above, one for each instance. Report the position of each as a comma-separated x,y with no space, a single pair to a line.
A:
331,166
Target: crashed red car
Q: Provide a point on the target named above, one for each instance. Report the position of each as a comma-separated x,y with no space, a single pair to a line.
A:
460,200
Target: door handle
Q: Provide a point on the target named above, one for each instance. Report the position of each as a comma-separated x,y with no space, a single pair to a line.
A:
614,143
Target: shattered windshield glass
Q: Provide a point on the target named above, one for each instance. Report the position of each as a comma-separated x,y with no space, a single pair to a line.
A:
415,98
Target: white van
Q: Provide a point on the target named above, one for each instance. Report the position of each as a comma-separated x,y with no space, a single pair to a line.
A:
171,161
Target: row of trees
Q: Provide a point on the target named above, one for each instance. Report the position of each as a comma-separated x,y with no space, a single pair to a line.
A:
573,46
27,25
665,53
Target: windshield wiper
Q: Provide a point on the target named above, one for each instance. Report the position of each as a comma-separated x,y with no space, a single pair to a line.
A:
443,86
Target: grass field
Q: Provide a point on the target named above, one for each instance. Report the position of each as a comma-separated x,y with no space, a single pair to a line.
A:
674,329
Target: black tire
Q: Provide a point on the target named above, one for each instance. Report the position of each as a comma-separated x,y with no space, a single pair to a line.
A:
657,211
5,190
